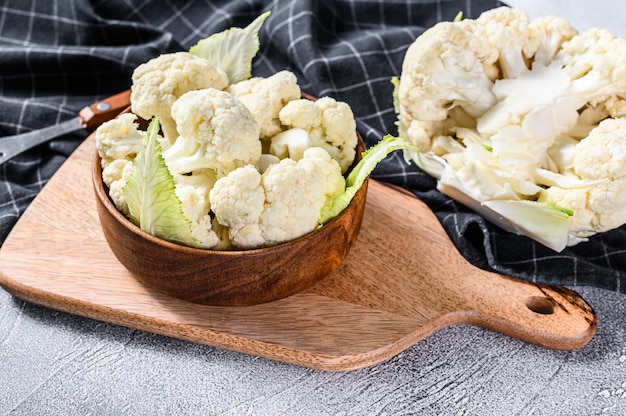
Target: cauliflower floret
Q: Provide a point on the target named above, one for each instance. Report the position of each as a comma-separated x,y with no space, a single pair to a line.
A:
508,31
193,192
595,61
279,205
330,125
159,82
552,33
115,175
601,159
119,139
265,97
238,202
316,159
450,65
216,132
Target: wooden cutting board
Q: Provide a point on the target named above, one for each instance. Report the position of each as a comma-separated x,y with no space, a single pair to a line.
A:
402,281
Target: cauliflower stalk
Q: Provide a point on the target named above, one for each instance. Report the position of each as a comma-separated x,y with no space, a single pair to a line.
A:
243,162
521,120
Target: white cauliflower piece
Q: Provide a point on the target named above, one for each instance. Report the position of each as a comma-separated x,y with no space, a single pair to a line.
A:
595,61
508,31
115,175
265,97
216,132
193,192
330,124
119,138
118,141
600,159
450,66
238,202
552,33
159,82
279,205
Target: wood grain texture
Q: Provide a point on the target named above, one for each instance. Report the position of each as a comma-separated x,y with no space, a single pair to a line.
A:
402,280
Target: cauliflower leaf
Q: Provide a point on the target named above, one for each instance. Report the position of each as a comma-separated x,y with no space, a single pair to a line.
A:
357,176
232,50
150,193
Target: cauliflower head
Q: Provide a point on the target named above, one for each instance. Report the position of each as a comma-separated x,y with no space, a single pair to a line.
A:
330,124
158,83
279,205
216,132
265,97
505,108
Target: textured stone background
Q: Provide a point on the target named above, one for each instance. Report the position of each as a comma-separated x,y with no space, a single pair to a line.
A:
52,363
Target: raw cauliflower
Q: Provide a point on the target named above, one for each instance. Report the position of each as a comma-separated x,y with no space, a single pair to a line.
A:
159,82
265,97
119,138
279,205
118,141
198,175
447,77
193,192
216,132
503,108
599,159
330,124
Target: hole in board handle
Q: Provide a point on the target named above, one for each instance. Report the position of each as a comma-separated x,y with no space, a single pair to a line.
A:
540,305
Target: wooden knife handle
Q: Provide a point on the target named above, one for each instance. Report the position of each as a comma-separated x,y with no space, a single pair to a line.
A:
104,110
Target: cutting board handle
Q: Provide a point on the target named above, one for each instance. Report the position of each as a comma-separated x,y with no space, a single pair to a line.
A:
419,273
549,316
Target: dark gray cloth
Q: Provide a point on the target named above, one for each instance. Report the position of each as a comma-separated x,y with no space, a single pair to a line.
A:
56,57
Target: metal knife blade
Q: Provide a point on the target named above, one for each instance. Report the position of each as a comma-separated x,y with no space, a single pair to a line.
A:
89,118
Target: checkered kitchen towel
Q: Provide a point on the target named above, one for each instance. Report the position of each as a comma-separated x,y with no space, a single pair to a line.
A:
57,56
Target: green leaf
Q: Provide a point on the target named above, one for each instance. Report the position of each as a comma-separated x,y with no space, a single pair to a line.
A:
569,212
395,81
370,159
233,49
151,197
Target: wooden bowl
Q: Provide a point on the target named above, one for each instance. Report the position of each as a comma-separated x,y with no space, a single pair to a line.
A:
228,278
